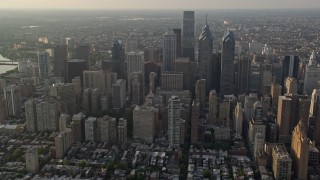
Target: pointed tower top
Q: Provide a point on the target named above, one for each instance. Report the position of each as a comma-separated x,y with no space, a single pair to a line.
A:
207,19
313,58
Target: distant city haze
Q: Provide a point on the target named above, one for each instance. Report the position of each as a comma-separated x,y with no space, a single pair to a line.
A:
158,4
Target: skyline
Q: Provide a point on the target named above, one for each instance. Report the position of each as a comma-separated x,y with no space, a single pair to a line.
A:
152,4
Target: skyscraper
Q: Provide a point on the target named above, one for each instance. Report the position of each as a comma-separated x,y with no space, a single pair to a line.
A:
291,86
201,92
118,58
185,66
137,88
281,162
32,160
31,115
83,52
122,131
227,64
213,107
144,121
60,61
171,81
48,115
238,118
315,113
312,75
188,35
119,94
169,51
284,118
90,129
174,122
205,56
178,34
290,67
135,63
195,121
43,64
242,78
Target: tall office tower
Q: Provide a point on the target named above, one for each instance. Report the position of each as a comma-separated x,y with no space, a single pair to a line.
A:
95,100
94,79
31,115
257,110
178,34
242,77
174,108
312,74
77,88
64,120
238,118
205,56
90,126
113,137
171,81
137,88
258,145
43,58
3,110
249,105
63,141
290,67
78,123
169,51
122,131
60,61
153,54
188,35
184,65
266,78
67,95
224,113
152,82
135,63
201,92
144,122
118,57
86,100
255,77
291,86
284,118
13,100
227,64
76,67
256,126
276,90
300,150
315,113
103,129
32,160
195,121
213,107
281,162
83,52
119,94
48,114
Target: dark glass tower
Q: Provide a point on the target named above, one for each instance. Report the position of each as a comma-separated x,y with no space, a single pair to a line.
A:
227,64
290,68
205,56
60,61
188,35
118,52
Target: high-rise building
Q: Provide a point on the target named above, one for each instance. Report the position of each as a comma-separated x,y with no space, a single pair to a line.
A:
258,144
171,81
137,88
312,75
290,67
255,77
291,86
144,121
3,110
113,137
315,113
169,51
284,118
201,92
66,93
174,107
178,34
224,114
152,82
185,66
205,56
195,121
83,52
242,78
43,58
79,129
276,90
13,100
300,151
32,160
76,67
238,118
213,107
95,79
256,126
90,129
64,120
122,131
119,94
118,57
131,45
60,61
63,142
31,115
227,64
281,162
135,63
103,129
48,114
188,35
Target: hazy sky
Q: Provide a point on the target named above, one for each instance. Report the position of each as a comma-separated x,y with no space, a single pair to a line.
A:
158,4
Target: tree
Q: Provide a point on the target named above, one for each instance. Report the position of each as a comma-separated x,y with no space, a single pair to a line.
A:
17,153
206,174
82,164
